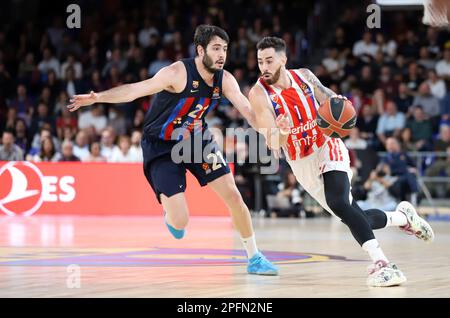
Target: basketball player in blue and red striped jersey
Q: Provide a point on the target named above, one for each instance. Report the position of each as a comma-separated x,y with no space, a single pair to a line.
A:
320,163
185,92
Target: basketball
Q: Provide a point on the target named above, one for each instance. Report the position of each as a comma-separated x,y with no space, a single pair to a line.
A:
336,117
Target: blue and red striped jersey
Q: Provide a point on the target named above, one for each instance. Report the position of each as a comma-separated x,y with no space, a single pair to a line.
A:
176,116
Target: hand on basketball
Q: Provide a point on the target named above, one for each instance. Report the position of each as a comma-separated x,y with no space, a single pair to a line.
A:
283,124
81,100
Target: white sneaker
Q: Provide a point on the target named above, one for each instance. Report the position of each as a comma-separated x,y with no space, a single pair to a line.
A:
382,274
416,225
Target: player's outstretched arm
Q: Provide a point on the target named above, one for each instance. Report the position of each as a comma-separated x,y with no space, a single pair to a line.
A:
128,92
275,130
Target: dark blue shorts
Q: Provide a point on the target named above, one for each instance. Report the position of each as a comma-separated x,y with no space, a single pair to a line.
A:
167,177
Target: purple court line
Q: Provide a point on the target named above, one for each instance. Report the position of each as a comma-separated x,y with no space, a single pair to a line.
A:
123,258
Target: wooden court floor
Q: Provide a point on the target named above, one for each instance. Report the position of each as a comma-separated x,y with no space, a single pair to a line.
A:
43,256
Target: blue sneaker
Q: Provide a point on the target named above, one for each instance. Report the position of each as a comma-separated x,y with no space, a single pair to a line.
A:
260,265
178,234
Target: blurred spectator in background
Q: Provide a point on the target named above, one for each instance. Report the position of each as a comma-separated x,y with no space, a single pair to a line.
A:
443,66
288,200
72,85
27,68
409,47
365,48
11,117
21,135
107,144
66,120
355,141
332,64
136,137
8,150
81,147
44,132
377,187
403,100
61,103
387,47
402,167
443,140
46,153
160,62
367,81
406,140
94,153
123,152
22,104
421,130
425,60
413,77
49,62
75,65
41,117
429,103
390,123
146,33
93,116
387,83
440,168
116,61
138,120
117,121
367,124
67,152
436,85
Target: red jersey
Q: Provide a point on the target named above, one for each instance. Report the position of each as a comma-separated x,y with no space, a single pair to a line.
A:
299,103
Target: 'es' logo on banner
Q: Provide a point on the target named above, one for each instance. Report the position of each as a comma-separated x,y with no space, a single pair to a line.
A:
24,188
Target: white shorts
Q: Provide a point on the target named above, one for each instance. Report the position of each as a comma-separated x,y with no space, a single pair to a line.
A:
333,155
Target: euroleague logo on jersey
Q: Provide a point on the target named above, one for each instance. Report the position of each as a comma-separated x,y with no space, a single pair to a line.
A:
24,188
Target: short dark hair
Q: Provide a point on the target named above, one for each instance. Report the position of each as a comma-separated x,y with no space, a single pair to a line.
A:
272,42
204,33
9,131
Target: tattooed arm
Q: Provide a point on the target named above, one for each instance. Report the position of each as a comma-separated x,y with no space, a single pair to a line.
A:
321,92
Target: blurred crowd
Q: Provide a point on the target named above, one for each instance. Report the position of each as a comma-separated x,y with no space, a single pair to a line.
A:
397,78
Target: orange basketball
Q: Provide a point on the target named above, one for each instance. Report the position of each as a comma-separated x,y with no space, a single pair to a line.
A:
336,117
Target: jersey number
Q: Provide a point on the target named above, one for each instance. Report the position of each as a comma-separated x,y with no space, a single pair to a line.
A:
216,165
198,108
298,112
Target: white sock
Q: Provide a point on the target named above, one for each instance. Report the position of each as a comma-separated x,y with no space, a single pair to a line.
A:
396,218
250,245
373,248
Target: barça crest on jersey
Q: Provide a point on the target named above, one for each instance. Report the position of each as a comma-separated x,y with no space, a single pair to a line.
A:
205,167
216,93
194,84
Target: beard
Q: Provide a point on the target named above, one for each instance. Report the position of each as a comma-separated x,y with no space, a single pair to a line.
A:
208,64
274,77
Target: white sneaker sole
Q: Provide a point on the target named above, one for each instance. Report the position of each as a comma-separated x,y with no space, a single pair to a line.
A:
396,279
421,228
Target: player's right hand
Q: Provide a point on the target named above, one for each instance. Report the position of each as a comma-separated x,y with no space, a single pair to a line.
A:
81,100
283,123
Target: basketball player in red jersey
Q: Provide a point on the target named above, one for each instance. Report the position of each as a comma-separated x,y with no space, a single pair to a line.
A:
288,100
